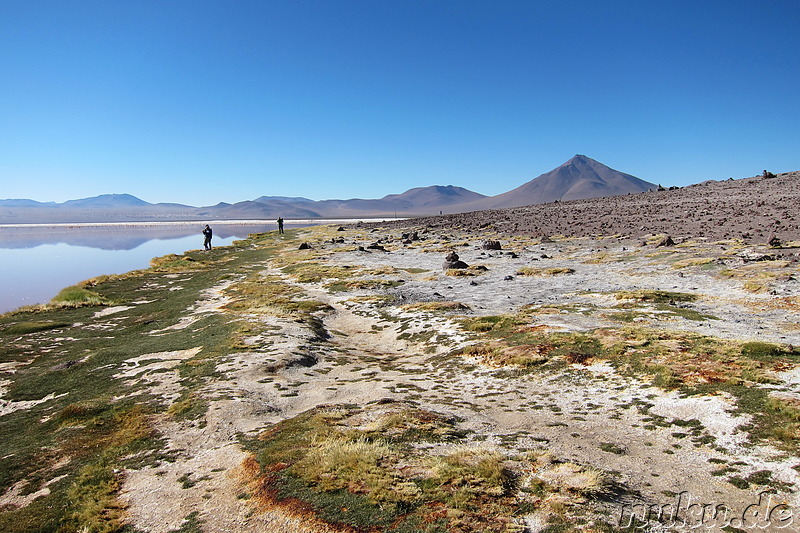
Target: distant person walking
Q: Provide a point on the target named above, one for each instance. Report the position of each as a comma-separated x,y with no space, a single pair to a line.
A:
280,225
207,233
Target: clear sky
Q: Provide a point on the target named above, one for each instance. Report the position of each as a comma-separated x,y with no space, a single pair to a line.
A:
204,101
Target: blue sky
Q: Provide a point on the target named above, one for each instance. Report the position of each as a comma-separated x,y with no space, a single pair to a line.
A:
204,101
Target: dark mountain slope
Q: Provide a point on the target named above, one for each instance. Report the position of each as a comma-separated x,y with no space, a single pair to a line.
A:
580,177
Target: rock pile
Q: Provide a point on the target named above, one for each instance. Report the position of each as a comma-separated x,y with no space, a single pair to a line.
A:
451,261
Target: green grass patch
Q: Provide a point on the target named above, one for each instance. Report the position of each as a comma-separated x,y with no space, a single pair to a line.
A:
765,351
76,296
610,447
31,326
191,407
68,359
363,467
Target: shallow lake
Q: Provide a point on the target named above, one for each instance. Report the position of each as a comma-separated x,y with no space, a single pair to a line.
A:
36,262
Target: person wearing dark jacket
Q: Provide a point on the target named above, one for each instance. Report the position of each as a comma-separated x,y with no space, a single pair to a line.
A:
207,234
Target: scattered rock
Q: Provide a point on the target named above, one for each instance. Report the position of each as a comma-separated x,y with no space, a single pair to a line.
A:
376,246
749,255
451,261
774,241
666,241
64,366
491,245
305,246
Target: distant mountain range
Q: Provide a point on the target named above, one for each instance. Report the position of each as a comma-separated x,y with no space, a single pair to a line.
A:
580,177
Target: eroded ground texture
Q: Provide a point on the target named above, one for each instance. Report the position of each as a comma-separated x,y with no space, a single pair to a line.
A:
555,384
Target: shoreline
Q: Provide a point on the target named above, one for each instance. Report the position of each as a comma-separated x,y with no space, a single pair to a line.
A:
525,358
288,221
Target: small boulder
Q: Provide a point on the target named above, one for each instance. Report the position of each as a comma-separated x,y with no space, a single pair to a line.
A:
666,241
491,245
451,261
305,246
774,241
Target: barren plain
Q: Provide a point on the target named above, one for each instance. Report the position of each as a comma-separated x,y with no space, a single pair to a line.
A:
581,373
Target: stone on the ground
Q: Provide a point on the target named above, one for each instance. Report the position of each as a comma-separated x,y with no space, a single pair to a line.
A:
451,261
666,241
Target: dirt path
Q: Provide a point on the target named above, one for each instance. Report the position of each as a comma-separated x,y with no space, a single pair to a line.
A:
588,413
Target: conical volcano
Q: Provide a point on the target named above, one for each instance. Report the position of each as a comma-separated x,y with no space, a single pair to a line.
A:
580,177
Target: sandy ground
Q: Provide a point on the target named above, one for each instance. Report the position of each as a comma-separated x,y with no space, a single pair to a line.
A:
380,351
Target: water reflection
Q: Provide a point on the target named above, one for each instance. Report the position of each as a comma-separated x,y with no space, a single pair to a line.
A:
118,236
37,262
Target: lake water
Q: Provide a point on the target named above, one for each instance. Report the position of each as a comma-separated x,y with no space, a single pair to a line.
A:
36,262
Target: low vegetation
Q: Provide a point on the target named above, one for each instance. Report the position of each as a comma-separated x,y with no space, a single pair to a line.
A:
655,296
689,362
78,370
366,468
443,306
79,424
553,271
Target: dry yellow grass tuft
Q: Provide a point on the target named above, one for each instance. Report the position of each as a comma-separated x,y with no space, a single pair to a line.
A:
535,271
472,270
574,478
692,261
436,306
500,355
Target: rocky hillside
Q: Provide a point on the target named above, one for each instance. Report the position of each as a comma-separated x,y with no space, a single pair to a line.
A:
752,209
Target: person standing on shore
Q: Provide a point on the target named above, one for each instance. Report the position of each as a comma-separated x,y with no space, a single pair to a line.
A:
207,233
280,225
